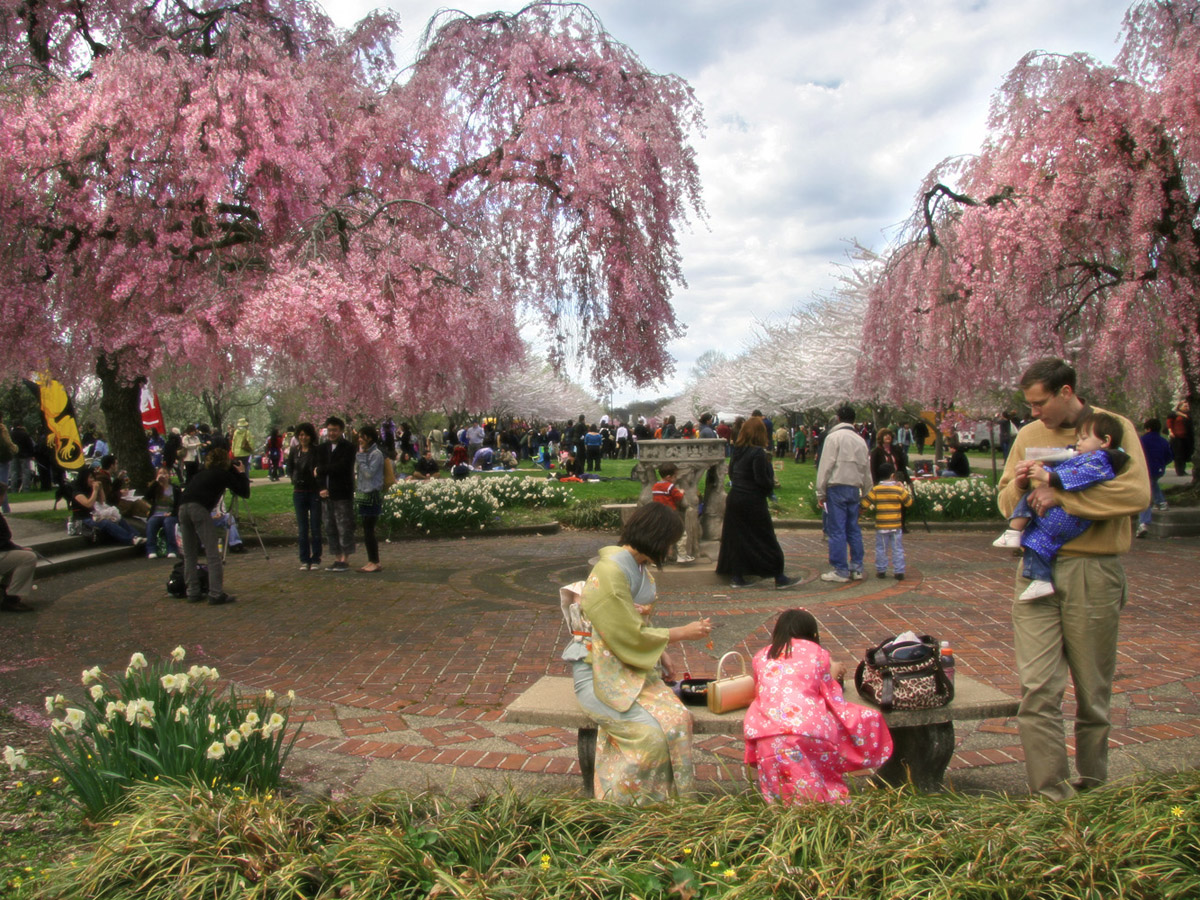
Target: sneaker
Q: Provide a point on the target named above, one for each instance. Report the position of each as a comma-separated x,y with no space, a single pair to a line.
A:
172,556
856,575
139,542
338,567
881,574
736,582
684,560
151,556
834,576
1037,588
304,567
899,576
1142,531
1162,505
1010,540
786,583
220,599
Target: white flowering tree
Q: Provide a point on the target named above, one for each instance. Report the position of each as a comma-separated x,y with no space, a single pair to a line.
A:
532,390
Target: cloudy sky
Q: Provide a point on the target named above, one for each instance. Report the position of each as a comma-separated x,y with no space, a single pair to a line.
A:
823,116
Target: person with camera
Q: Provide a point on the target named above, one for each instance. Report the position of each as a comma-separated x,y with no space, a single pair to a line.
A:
196,525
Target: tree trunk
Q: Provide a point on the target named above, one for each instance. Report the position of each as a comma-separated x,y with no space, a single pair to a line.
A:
121,403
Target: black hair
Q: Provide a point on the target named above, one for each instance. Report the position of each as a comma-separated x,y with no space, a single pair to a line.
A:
307,428
792,623
1102,425
370,433
653,530
334,420
1152,425
107,460
667,469
886,470
845,413
1052,373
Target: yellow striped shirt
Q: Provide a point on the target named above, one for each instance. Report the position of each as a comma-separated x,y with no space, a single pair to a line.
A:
888,497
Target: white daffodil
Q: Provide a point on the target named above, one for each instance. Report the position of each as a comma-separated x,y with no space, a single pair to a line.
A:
178,654
97,691
15,759
233,739
216,750
246,729
114,709
182,714
75,718
269,695
58,726
90,675
274,724
170,683
212,724
58,701
137,661
252,718
102,729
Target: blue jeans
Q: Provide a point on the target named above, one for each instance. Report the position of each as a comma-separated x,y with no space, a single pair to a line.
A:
889,542
1036,567
841,506
308,521
1156,497
154,525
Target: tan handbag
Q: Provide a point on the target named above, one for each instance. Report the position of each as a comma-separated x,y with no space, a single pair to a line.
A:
725,694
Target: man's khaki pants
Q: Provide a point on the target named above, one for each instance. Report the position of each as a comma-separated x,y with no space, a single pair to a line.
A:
1073,630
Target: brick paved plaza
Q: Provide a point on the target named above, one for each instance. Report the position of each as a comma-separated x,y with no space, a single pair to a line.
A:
402,677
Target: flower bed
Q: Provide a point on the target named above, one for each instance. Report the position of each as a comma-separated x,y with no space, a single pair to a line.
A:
954,500
467,505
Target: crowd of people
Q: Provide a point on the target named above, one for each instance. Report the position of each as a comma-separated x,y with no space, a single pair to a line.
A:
1073,478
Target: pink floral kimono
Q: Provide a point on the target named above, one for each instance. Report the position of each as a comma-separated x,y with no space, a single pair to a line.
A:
802,734
644,734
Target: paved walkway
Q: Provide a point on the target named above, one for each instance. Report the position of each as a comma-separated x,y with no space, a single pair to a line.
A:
402,677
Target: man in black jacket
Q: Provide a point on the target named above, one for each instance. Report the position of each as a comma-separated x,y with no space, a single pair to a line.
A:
335,476
196,526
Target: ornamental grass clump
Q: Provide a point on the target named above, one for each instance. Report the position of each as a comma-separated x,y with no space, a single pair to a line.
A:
1136,840
159,721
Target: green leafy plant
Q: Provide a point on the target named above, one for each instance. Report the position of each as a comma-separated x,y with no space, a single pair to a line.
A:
159,721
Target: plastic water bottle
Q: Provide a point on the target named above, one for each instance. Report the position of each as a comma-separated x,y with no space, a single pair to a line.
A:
948,661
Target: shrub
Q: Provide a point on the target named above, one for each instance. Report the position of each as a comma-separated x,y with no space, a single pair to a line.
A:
158,721
591,514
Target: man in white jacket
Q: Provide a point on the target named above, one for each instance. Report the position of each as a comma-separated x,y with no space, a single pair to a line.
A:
843,479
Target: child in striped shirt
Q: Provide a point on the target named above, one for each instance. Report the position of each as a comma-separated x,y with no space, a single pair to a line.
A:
888,497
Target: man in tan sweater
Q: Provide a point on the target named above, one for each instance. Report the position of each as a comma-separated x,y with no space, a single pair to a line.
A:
1074,629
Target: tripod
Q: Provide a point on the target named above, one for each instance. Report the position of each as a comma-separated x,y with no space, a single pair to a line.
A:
234,512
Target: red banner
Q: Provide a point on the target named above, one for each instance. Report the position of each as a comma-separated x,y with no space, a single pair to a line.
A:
151,412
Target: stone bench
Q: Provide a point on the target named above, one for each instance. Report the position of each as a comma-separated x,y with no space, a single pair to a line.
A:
923,738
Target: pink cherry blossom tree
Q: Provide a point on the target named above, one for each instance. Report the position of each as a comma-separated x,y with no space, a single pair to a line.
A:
1073,232
190,190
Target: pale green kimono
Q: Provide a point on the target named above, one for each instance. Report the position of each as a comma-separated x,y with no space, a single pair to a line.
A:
644,734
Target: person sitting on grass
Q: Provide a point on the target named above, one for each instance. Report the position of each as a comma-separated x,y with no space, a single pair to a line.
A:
426,467
1098,459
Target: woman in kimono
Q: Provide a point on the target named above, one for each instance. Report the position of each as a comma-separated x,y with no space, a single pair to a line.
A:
801,734
644,734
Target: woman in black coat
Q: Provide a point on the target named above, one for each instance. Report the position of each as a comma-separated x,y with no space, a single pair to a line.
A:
748,543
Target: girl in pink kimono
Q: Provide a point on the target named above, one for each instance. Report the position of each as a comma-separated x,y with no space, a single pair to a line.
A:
801,733
644,734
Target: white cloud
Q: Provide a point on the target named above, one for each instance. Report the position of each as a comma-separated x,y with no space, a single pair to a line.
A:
822,120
